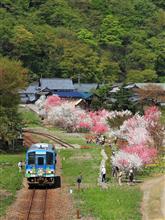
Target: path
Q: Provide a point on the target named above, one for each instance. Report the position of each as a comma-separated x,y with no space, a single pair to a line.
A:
153,204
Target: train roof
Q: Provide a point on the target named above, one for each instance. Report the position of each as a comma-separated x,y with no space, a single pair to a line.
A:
41,147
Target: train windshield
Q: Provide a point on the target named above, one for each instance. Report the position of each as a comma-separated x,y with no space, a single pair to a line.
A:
40,160
31,158
49,158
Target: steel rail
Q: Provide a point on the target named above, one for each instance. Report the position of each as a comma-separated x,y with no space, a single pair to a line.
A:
54,138
44,207
30,206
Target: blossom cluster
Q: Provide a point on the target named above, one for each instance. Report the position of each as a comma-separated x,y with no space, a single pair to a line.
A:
72,118
138,131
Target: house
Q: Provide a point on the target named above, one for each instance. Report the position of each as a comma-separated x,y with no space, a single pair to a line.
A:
29,94
86,87
64,88
133,87
56,84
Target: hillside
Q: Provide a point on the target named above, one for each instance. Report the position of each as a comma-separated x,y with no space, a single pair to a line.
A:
96,40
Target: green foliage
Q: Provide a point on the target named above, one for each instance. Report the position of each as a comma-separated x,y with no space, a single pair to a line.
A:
100,40
122,100
137,76
12,79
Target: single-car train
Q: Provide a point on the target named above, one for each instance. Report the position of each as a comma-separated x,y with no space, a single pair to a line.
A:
41,164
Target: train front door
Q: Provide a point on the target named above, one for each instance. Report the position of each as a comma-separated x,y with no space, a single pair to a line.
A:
41,164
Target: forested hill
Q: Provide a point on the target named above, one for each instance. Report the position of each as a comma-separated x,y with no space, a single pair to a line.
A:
99,40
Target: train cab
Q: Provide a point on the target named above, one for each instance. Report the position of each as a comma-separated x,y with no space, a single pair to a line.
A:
41,164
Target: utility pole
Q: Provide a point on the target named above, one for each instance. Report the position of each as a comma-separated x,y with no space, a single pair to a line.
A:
79,79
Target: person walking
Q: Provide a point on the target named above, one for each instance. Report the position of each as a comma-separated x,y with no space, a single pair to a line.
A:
20,165
120,174
115,171
103,174
131,176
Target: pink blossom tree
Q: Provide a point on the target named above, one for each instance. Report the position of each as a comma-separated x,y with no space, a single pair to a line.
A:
126,161
52,101
145,153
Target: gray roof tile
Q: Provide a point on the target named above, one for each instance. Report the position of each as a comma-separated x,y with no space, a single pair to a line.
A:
56,84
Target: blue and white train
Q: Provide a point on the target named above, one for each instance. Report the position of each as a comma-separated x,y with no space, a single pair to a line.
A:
41,164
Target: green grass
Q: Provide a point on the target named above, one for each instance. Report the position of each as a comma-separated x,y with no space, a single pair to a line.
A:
114,203
30,118
86,161
71,138
10,179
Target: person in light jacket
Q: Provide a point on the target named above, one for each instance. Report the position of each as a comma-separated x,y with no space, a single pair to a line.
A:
103,174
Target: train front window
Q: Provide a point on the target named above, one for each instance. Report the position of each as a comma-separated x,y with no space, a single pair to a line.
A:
49,158
40,161
31,158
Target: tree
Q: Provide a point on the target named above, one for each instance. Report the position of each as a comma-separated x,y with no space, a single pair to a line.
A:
151,94
141,76
12,79
111,31
121,100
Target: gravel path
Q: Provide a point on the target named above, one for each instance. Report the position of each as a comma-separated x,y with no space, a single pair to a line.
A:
153,204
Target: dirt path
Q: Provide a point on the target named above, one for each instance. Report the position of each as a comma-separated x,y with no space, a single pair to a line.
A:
153,204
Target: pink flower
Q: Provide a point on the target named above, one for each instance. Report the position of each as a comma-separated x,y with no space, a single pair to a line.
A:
52,101
146,154
99,128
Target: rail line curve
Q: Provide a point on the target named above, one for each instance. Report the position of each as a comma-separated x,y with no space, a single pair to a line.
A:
52,137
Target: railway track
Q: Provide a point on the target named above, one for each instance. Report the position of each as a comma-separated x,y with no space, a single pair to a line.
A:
51,137
37,205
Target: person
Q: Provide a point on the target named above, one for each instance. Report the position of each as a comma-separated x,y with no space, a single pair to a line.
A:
120,174
79,180
103,174
20,166
97,139
115,171
131,176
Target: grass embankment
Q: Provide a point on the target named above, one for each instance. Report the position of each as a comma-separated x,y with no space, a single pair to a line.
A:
30,118
10,179
104,204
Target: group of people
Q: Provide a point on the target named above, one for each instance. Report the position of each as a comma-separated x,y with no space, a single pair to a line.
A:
117,173
99,139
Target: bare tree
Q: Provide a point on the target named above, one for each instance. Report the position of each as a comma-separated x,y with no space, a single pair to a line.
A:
151,93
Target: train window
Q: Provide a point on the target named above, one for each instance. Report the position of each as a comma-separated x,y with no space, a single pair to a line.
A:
40,161
49,158
31,158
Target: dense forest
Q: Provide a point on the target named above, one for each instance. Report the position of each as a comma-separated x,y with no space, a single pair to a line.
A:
97,40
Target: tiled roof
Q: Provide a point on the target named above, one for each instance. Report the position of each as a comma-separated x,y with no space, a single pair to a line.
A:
141,85
85,87
32,88
73,94
56,84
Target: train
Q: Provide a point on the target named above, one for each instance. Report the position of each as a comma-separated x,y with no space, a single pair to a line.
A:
40,168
